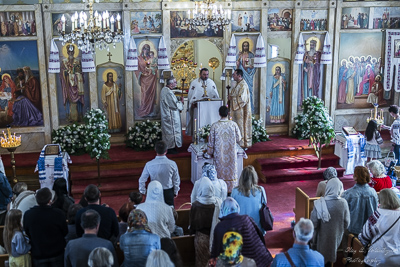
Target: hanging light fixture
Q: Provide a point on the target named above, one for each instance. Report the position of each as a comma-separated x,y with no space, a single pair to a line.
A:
93,31
208,14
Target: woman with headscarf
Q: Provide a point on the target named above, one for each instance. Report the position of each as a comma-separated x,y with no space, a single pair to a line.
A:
249,195
231,256
330,216
138,241
203,218
209,172
160,216
253,240
329,173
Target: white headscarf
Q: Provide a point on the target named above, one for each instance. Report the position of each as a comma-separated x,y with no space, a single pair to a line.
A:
206,196
154,192
334,188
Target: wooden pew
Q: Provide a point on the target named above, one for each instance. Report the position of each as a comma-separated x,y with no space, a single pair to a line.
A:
3,260
1,235
183,220
303,205
355,256
185,245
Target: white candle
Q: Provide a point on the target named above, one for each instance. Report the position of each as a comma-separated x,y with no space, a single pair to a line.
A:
112,23
119,21
63,22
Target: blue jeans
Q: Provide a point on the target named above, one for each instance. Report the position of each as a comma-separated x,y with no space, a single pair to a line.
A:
396,151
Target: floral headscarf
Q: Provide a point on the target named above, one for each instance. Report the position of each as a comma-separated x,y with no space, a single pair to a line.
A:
232,243
137,220
209,171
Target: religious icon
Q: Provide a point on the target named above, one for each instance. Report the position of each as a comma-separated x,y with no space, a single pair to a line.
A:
146,75
146,22
245,62
355,18
279,19
277,90
246,21
110,97
71,77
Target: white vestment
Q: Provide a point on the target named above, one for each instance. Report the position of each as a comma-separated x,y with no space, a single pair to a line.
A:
170,118
196,93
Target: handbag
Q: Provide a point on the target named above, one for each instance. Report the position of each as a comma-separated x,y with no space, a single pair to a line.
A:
389,159
378,138
266,218
367,247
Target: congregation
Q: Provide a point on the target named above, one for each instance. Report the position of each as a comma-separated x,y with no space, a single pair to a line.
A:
47,228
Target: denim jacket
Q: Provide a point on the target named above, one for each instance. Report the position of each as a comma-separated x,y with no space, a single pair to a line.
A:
137,245
363,201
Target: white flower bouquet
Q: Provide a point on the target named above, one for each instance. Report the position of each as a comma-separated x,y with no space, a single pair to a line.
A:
143,135
97,139
258,131
71,138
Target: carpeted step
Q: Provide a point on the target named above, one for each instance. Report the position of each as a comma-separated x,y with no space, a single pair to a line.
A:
297,162
105,174
297,174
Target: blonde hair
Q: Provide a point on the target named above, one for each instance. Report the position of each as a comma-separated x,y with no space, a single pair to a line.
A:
248,181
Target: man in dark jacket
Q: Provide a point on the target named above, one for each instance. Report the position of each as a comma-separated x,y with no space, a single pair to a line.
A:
46,228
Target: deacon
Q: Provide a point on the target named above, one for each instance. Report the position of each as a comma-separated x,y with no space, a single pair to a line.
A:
239,98
171,107
201,88
224,134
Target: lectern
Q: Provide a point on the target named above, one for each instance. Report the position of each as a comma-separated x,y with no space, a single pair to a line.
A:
206,112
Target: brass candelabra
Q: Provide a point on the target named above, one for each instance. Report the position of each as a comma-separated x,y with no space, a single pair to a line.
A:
11,143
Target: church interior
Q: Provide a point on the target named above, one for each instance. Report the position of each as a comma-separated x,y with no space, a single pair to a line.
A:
345,53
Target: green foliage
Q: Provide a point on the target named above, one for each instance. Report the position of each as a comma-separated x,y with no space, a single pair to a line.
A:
143,135
314,121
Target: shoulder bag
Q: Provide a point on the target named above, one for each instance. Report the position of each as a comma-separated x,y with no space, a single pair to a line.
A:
366,248
266,218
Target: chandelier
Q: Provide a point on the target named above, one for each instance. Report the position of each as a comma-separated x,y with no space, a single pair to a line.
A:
208,14
93,31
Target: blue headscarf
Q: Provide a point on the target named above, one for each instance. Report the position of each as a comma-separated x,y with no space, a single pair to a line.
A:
229,206
209,171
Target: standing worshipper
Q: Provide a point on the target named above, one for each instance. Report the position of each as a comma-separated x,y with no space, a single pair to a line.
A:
163,170
5,196
330,216
239,98
395,131
224,134
171,107
197,90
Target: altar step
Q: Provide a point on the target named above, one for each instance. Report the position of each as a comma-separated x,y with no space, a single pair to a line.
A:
295,168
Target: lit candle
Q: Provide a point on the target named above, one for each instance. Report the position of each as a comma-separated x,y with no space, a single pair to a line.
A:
63,22
112,23
119,21
195,125
73,22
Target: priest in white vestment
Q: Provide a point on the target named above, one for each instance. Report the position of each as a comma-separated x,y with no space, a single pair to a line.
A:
171,107
197,90
224,134
240,107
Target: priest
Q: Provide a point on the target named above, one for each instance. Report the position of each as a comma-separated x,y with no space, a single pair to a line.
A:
200,89
240,107
171,107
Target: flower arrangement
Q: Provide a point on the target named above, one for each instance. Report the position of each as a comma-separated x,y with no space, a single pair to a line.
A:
258,131
204,132
71,138
143,135
315,121
97,139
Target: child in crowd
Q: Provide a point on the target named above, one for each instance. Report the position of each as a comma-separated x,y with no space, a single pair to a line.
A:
16,243
372,149
136,198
